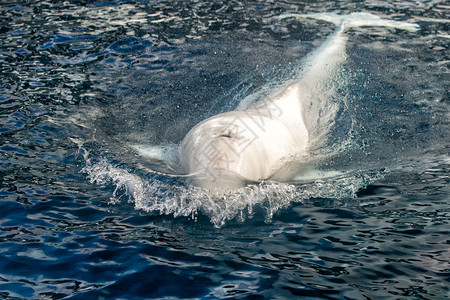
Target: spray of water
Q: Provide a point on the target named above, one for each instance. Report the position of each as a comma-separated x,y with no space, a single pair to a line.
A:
157,195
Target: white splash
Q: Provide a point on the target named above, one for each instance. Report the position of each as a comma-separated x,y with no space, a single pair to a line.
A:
156,196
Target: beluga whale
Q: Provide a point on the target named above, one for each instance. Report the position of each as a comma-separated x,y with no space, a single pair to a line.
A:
268,140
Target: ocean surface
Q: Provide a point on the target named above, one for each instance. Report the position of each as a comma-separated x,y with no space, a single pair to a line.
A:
84,216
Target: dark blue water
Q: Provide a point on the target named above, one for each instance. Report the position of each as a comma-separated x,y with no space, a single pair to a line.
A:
84,217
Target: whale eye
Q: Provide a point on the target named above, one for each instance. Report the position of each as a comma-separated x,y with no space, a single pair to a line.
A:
227,135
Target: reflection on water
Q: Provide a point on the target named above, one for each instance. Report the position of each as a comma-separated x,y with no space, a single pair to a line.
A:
108,74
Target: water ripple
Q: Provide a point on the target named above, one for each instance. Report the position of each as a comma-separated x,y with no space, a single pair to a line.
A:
104,73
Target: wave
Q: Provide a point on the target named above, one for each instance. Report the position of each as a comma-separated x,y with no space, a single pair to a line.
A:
172,196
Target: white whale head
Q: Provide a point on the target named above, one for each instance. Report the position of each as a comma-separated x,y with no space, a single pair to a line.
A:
231,149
